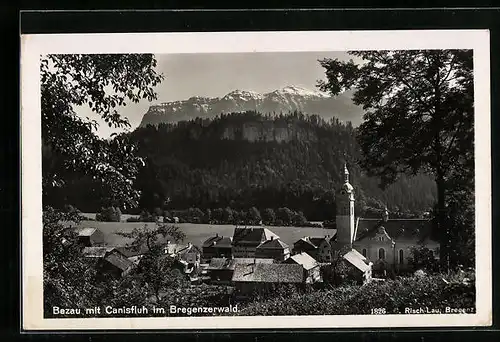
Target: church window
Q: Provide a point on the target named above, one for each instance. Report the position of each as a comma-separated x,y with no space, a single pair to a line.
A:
381,253
364,252
401,256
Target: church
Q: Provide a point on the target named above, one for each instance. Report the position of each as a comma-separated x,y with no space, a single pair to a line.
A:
386,242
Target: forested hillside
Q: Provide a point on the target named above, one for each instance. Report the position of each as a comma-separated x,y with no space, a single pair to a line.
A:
244,160
247,159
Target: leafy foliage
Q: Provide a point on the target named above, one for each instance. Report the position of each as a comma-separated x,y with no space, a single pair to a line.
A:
156,268
71,149
423,258
110,214
436,292
419,118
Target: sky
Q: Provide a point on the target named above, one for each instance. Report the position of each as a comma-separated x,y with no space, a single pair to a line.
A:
216,74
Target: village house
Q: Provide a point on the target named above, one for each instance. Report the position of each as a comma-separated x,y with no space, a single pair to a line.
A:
115,265
217,247
262,277
187,257
89,236
96,252
246,240
310,266
360,268
221,270
133,253
273,248
387,242
318,247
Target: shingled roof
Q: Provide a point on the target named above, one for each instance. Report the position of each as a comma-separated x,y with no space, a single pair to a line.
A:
119,261
268,273
414,230
96,252
304,259
218,241
133,250
273,244
252,235
229,264
85,231
357,260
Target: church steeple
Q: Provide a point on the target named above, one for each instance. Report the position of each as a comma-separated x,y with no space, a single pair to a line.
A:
346,173
345,211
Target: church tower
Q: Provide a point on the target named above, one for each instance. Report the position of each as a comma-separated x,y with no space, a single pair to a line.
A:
345,212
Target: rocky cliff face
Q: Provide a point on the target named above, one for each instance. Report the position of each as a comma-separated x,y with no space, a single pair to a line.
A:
286,99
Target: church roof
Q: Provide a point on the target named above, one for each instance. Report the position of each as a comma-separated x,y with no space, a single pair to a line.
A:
413,230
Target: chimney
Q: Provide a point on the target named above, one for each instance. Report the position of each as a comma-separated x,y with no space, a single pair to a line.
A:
272,237
216,234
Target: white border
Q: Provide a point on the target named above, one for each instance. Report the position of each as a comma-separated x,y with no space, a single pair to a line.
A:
32,46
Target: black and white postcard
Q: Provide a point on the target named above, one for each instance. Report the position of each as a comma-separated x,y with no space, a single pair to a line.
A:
238,180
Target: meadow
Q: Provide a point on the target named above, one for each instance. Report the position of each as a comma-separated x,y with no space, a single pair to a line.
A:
198,233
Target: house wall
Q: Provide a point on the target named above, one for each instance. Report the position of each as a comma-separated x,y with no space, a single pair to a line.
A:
216,252
271,253
243,251
97,239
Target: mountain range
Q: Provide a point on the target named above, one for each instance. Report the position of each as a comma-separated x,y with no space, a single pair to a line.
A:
284,100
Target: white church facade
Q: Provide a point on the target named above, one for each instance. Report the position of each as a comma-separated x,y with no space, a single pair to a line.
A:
385,242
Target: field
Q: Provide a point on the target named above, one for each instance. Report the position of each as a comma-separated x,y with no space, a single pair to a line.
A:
197,233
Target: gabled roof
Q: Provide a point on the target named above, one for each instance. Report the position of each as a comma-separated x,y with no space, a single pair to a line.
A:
133,250
252,235
188,249
357,260
304,244
229,264
304,259
415,230
317,240
119,261
273,244
308,243
96,252
268,273
218,241
85,231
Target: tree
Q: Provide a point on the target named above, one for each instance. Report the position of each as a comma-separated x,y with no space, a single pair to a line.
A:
70,146
268,216
156,267
423,257
253,215
109,214
419,117
68,279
